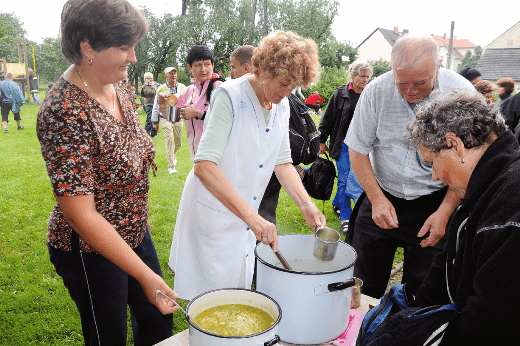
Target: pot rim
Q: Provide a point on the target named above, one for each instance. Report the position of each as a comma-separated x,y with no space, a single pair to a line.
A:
235,337
349,265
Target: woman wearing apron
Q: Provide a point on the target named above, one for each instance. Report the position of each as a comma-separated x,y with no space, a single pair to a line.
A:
245,139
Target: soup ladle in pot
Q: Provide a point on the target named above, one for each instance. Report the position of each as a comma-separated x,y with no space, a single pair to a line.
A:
180,307
281,258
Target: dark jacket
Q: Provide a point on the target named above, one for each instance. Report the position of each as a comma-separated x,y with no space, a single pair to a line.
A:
510,109
33,82
484,273
335,120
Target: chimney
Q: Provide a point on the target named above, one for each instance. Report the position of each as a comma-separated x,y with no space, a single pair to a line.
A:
396,30
444,36
405,31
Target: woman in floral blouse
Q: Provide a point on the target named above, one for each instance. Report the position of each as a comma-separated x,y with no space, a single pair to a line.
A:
98,157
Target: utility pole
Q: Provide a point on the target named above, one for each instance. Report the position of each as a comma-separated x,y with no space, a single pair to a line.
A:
450,48
265,17
253,13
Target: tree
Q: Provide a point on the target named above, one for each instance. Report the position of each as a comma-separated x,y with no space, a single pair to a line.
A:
470,59
379,67
50,61
11,33
331,78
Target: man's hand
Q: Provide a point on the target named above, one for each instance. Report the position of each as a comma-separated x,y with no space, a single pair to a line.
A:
383,213
323,148
436,225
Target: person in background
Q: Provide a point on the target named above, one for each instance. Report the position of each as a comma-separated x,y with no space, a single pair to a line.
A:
403,206
148,91
13,101
98,157
466,142
172,131
471,74
33,86
240,61
334,124
505,88
246,137
511,112
487,89
314,101
194,100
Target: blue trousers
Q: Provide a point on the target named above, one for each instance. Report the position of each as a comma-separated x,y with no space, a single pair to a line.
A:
102,292
348,185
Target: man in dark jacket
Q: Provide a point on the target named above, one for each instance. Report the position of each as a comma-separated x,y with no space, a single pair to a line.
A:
33,85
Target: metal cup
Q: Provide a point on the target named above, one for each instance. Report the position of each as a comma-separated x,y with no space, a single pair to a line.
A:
172,113
325,243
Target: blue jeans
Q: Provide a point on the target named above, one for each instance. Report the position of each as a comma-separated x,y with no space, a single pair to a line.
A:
348,185
102,292
148,126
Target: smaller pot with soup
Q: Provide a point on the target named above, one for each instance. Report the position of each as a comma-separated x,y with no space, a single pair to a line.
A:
234,317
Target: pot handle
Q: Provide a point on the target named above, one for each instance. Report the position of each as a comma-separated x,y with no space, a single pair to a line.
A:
272,342
337,286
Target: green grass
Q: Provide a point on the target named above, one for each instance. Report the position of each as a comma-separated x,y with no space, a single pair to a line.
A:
35,307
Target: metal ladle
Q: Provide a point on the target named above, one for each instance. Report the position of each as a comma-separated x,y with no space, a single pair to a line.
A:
180,307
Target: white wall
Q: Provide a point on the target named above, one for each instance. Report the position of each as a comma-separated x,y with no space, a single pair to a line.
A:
375,48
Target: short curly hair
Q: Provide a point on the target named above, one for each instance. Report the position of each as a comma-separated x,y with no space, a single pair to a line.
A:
289,56
484,87
467,114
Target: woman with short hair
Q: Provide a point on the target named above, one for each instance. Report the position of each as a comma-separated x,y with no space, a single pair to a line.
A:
334,124
98,157
505,87
466,141
246,137
487,89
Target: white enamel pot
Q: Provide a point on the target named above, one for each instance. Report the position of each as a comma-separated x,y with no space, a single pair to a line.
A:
314,295
268,337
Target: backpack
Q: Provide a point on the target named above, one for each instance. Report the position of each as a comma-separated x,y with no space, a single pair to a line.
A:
303,135
394,322
319,179
3,96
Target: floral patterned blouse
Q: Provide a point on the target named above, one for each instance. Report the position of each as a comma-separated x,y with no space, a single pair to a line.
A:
87,151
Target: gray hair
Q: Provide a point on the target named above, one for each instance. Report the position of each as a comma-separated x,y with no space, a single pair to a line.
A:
410,50
467,114
148,74
357,67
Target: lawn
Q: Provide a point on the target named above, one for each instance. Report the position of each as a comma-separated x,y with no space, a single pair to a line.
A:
35,307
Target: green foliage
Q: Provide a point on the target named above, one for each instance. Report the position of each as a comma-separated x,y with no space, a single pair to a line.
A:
471,59
50,62
11,33
331,79
379,67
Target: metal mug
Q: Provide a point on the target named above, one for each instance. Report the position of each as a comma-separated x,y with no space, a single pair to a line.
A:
172,113
325,243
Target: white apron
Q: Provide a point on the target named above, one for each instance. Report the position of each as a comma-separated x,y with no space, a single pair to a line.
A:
211,246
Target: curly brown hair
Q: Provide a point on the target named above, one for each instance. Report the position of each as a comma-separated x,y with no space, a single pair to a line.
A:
289,56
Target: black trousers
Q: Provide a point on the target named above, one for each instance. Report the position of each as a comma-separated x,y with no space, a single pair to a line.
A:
102,292
376,247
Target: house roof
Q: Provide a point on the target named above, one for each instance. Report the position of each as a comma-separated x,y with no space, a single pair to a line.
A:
496,63
389,35
507,31
445,41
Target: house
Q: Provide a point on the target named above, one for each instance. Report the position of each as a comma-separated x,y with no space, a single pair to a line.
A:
378,45
460,47
501,58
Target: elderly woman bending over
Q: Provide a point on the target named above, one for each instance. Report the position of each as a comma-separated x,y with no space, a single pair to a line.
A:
245,138
470,149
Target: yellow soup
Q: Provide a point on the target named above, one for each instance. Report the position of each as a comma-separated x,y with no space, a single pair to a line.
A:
234,320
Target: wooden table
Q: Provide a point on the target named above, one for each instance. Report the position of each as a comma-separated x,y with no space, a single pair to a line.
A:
183,338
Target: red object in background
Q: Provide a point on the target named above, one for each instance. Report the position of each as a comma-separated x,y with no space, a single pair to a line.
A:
313,99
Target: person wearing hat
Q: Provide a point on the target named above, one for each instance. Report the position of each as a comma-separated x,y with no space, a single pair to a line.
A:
172,131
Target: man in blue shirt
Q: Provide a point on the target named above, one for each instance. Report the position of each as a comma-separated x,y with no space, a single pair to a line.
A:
13,102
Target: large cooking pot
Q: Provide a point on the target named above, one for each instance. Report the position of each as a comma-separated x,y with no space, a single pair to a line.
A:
268,337
314,295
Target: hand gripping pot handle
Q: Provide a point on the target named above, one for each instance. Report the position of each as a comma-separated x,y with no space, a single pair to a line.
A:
337,286
272,342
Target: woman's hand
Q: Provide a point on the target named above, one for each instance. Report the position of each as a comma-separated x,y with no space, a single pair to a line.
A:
153,283
313,216
189,112
265,231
